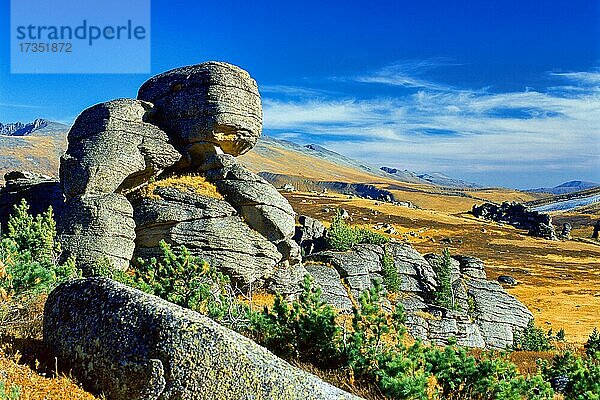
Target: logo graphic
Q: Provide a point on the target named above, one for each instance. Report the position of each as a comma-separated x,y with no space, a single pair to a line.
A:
75,36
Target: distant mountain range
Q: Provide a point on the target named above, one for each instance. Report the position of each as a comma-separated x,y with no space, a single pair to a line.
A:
567,187
435,178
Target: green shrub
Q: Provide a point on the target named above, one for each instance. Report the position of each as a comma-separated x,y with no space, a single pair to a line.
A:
28,255
12,393
581,375
444,296
342,237
534,338
592,347
391,280
305,329
188,281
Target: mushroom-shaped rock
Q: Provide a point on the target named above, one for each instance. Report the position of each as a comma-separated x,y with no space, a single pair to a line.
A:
112,149
134,346
206,105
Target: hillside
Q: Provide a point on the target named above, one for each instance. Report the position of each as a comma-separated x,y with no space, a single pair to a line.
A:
34,146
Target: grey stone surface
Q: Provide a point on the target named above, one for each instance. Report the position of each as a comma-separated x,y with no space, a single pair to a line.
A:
210,228
330,282
213,103
134,346
39,191
471,266
111,149
257,201
357,267
411,264
97,227
499,315
310,235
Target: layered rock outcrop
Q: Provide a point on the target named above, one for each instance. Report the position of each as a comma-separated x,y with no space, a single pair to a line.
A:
484,314
131,345
209,227
538,224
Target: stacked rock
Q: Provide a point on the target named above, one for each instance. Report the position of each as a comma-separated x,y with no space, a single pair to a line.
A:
190,120
111,151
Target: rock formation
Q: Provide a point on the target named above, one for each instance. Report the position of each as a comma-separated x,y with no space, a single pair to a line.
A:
206,106
209,227
484,316
566,231
130,345
596,232
538,224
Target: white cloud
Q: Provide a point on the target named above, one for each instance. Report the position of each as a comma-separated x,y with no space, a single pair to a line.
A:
458,131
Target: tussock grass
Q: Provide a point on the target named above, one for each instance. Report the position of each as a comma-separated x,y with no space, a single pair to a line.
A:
190,183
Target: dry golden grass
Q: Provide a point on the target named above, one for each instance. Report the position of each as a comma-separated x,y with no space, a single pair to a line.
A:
190,183
34,386
559,281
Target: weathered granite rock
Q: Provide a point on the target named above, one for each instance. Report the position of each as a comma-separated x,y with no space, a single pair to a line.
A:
39,191
257,201
507,280
499,315
596,232
411,265
134,346
330,282
213,103
310,235
210,228
97,227
471,266
566,231
112,149
538,224
358,267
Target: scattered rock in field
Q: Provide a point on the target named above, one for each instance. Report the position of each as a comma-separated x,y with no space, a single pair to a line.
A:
566,231
130,345
507,280
206,107
538,224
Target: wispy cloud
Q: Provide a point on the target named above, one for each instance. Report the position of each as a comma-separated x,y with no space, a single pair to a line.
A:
469,132
15,105
406,74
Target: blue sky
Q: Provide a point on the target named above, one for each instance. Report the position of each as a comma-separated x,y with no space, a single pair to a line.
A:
497,92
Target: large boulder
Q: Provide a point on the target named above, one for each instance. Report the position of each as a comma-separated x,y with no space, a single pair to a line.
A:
39,191
206,105
209,227
96,228
134,346
358,267
112,148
